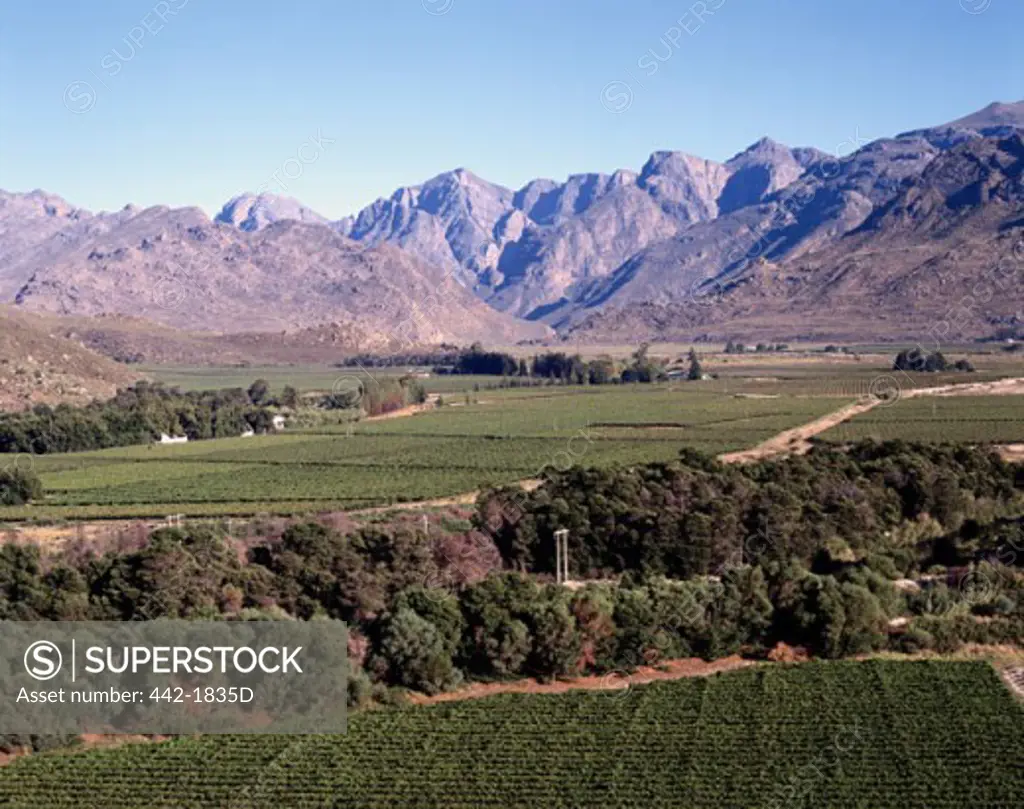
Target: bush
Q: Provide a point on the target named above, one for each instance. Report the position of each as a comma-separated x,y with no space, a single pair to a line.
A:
19,486
360,689
915,640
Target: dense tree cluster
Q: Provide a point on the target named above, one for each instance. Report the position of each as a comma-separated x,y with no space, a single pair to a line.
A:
558,367
913,359
444,355
552,367
690,517
733,347
136,415
690,558
373,396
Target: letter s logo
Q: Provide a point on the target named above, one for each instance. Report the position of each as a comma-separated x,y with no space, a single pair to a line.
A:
43,660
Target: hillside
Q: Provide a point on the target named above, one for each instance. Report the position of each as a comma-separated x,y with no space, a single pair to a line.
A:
178,268
528,252
942,258
40,367
133,340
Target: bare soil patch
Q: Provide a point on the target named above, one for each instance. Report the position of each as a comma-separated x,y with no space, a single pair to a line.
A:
614,681
1011,452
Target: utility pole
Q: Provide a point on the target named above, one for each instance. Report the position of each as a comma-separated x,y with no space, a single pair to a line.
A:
562,555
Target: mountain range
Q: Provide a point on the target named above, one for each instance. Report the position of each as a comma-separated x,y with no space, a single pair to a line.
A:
781,241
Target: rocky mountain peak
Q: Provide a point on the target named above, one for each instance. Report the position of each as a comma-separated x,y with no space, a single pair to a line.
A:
687,187
996,114
251,212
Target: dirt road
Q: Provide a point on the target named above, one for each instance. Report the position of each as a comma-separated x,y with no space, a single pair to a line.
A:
465,499
618,681
797,440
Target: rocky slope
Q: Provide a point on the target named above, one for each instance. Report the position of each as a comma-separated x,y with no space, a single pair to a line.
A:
41,367
531,251
940,259
683,244
679,229
254,212
176,267
37,227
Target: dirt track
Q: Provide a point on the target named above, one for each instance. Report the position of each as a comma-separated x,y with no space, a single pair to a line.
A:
797,440
465,499
618,681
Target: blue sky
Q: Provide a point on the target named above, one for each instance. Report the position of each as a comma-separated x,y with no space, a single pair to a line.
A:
188,102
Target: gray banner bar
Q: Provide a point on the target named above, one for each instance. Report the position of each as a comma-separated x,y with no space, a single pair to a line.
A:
173,677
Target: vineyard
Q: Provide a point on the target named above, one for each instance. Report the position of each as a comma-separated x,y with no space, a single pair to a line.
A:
853,734
450,450
974,419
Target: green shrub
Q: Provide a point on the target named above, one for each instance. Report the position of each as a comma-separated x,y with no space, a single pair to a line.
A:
19,486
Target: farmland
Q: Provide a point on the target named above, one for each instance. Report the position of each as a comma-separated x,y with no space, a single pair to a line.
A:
486,434
878,733
972,419
303,378
499,436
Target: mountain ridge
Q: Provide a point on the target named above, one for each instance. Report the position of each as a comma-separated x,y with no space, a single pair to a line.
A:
677,231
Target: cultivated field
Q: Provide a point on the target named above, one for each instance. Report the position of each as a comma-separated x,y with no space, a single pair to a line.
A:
852,734
502,436
970,419
300,377
487,434
798,371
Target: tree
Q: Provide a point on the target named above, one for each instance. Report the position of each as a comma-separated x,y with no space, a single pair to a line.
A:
290,397
437,607
600,371
742,611
909,359
22,593
19,486
259,391
498,641
696,371
415,653
936,362
913,359
260,421
416,393
643,368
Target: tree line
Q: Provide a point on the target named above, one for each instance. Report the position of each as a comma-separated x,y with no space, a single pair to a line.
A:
550,366
689,517
914,359
136,415
689,558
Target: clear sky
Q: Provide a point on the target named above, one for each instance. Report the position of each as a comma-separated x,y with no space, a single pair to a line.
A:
189,102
